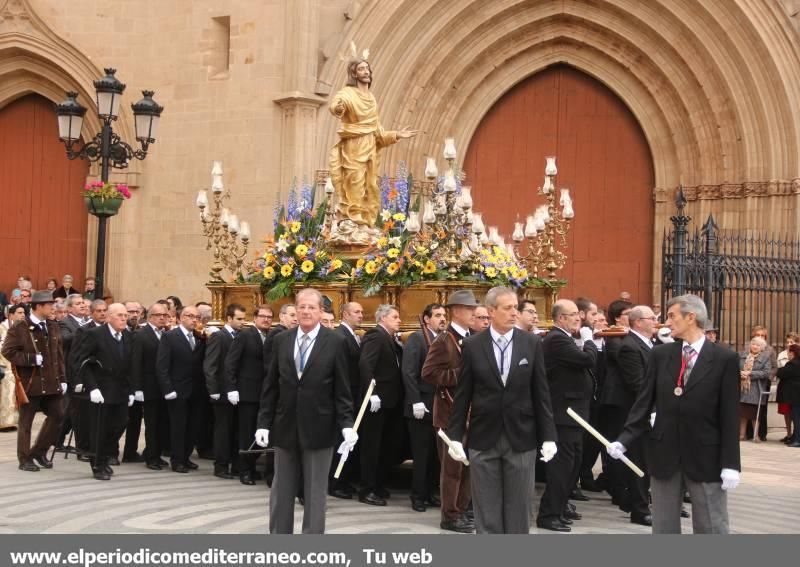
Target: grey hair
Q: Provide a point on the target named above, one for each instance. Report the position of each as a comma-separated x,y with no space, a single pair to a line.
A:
637,313
96,304
759,341
309,291
383,310
70,301
691,304
495,293
285,308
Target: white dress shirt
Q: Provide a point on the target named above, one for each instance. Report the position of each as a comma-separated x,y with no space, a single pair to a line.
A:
312,337
498,352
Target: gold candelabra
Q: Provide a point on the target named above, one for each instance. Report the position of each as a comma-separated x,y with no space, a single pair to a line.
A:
545,230
225,235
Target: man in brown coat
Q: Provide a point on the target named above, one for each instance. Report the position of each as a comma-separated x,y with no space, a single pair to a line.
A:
442,367
33,346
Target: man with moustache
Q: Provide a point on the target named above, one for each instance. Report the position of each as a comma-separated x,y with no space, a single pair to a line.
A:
441,369
418,406
244,380
502,385
105,352
381,357
306,398
692,385
145,382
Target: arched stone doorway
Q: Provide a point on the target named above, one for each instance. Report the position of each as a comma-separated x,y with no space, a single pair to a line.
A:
603,157
44,221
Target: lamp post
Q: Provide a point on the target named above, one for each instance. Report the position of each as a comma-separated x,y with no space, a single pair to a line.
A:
106,146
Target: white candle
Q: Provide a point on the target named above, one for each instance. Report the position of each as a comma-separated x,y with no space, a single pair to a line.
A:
431,172
233,224
216,184
550,166
449,181
466,196
216,168
547,186
449,148
518,235
412,225
429,217
477,223
329,186
202,200
224,217
244,231
568,212
530,226
564,197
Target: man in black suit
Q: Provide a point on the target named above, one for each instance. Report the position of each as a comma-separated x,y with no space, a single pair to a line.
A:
68,326
179,367
503,388
352,315
146,386
571,385
244,380
418,406
306,398
692,385
633,356
381,357
133,429
105,352
223,399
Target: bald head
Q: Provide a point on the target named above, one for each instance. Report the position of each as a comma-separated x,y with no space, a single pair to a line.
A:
117,317
566,315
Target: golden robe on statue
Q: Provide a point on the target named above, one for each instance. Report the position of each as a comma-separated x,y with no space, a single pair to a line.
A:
355,159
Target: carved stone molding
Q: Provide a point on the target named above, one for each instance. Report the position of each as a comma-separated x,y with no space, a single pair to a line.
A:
772,188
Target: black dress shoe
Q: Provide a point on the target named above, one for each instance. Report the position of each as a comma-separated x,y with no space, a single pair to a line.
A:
84,458
576,494
100,474
646,520
795,444
180,469
684,513
341,493
418,505
43,461
571,514
565,521
113,461
28,466
372,498
458,525
553,525
433,501
222,472
163,463
135,458
190,465
591,486
383,493
247,478
154,466
108,470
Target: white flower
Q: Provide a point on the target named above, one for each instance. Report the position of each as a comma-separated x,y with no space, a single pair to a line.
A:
302,206
434,245
385,215
282,244
394,241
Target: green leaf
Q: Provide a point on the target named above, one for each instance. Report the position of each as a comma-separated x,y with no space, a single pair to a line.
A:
280,290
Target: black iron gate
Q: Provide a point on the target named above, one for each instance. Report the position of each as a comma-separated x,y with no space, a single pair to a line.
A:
745,279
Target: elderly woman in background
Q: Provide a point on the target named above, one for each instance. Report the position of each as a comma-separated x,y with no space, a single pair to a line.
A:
9,415
789,387
753,379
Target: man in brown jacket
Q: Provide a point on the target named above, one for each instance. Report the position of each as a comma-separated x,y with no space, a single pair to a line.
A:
33,346
442,367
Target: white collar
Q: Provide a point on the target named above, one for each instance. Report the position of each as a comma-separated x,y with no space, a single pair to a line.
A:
698,344
496,335
230,329
186,331
156,330
563,330
112,331
79,321
459,329
312,334
645,340
34,319
348,327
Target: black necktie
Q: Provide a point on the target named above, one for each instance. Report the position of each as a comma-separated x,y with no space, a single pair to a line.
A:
43,326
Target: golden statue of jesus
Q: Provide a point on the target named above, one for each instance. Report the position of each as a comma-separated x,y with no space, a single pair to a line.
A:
355,159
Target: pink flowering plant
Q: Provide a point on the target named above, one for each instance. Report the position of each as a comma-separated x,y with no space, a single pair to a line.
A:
102,190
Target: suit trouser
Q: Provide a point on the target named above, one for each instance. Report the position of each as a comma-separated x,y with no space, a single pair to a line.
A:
289,464
562,472
106,423
66,422
627,488
423,451
454,484
53,407
501,485
224,415
613,423
80,423
350,470
381,430
591,447
795,413
153,411
184,421
247,413
133,430
709,505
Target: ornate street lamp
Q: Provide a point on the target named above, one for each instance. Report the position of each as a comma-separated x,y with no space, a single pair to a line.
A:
106,146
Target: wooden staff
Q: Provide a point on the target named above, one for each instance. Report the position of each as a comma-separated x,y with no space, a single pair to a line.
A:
596,434
449,443
343,456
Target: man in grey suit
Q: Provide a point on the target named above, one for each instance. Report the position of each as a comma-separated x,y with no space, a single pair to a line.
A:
504,387
305,399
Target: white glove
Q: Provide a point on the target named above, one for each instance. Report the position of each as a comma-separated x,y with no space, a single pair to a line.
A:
419,410
374,403
730,479
350,439
616,450
586,334
549,448
130,400
456,451
96,396
78,388
653,419
233,397
171,396
138,395
215,397
262,437
39,360
63,387
665,335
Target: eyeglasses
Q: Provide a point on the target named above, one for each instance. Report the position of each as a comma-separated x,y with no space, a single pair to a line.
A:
482,317
650,318
188,316
529,311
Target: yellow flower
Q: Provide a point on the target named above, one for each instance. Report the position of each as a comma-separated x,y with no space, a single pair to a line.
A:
393,253
490,272
269,258
360,263
307,266
295,226
523,274
392,268
513,272
399,217
417,264
421,249
371,267
504,271
430,268
286,270
321,255
382,241
301,250
269,272
336,264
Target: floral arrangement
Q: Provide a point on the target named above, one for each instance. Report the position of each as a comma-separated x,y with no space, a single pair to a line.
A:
106,190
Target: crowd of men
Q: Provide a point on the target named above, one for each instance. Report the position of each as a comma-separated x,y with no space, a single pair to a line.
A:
482,375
